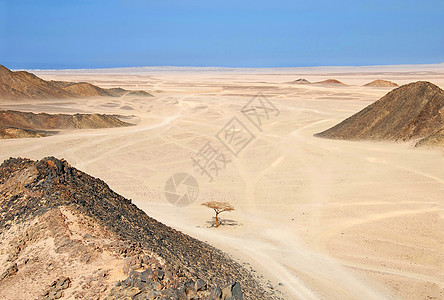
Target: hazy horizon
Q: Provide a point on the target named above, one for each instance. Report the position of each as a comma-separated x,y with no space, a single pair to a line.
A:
235,68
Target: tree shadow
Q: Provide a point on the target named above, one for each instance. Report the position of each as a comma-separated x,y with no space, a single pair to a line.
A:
223,222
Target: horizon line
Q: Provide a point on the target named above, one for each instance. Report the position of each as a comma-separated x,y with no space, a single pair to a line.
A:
224,67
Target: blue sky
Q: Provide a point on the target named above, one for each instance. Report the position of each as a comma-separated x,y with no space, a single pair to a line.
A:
99,34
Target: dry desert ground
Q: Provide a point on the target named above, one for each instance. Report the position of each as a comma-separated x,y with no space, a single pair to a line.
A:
314,218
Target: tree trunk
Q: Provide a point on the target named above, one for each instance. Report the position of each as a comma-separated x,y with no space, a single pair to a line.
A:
217,219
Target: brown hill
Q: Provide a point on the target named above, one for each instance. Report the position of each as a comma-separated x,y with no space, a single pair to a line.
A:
25,85
330,82
65,233
14,133
381,83
83,89
118,92
17,124
412,111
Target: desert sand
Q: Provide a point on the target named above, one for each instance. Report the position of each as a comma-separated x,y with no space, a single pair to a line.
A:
315,218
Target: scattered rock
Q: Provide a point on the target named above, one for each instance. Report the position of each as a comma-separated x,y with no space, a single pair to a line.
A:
10,271
201,285
157,259
55,290
216,293
236,291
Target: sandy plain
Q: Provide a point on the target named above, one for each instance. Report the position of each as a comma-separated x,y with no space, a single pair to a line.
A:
314,218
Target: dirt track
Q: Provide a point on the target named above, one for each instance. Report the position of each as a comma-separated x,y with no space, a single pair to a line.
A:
325,218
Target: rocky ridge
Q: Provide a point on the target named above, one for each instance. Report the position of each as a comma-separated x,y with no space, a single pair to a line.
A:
22,85
17,124
49,203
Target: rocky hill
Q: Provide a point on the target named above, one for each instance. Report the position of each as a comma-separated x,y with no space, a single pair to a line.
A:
330,82
65,233
18,124
84,89
413,111
381,83
301,81
25,85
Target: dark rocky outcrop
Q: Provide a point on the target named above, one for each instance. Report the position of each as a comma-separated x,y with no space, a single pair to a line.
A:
55,290
178,263
166,282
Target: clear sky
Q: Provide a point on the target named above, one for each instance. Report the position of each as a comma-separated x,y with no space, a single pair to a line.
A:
274,33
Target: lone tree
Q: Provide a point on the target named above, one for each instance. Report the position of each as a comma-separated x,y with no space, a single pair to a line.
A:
218,207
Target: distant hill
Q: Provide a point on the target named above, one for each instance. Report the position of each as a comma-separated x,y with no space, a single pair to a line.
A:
412,111
17,124
381,83
301,81
138,93
25,85
83,89
67,234
330,82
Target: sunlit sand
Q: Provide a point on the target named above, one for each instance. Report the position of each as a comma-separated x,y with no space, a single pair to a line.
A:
314,218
